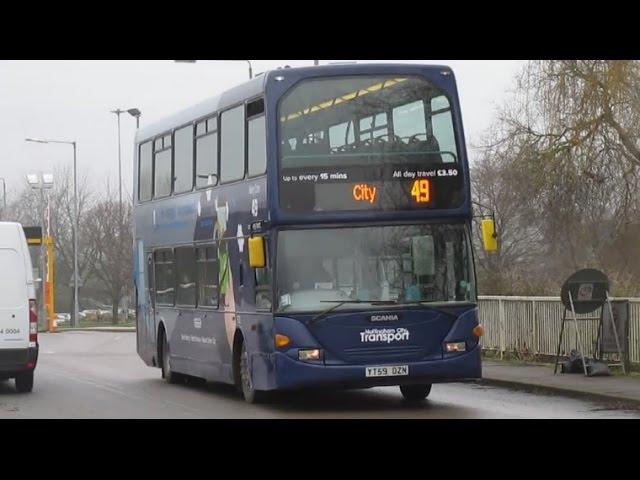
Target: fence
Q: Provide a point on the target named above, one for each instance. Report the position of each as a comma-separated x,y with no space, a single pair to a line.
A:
531,325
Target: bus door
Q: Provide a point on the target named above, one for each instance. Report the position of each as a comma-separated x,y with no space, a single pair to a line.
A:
146,330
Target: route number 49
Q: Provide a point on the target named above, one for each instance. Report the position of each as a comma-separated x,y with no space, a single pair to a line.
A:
421,190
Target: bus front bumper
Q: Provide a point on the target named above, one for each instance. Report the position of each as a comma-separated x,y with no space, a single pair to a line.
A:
293,374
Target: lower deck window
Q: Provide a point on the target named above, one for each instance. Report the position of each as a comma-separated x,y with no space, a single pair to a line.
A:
186,276
165,277
207,270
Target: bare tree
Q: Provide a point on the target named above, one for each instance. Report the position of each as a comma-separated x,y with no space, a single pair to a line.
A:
561,172
111,240
26,210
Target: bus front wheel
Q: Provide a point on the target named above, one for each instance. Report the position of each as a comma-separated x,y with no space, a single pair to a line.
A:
415,393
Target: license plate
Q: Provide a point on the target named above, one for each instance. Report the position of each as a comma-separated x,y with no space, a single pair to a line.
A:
388,371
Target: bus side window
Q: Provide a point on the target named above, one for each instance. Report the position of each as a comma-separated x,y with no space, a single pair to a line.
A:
162,182
257,146
186,282
442,126
165,277
207,276
263,288
183,160
232,147
145,172
207,153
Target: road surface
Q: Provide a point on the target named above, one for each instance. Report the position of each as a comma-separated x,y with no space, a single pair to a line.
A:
99,375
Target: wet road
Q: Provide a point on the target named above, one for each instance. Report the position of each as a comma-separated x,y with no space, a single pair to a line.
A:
99,375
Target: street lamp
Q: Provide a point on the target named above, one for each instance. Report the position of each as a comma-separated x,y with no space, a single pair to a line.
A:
75,223
134,112
42,182
4,196
194,61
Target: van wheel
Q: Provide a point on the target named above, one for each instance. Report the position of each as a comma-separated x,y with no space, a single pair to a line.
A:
169,375
250,395
415,393
24,382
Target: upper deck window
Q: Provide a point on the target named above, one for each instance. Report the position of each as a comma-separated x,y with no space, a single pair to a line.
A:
183,163
207,153
257,138
354,113
367,143
232,146
145,172
162,167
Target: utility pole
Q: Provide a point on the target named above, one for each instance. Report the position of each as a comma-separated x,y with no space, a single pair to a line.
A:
134,112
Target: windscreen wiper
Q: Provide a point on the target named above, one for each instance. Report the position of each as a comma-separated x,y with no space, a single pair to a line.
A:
339,303
427,306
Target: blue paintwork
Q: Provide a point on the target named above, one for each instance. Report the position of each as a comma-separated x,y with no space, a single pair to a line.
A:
294,374
201,343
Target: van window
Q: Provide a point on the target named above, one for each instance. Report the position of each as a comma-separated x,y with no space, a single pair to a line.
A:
13,286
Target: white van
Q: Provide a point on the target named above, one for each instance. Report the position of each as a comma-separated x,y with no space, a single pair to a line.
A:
18,314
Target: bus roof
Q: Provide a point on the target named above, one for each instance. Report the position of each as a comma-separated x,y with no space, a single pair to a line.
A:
256,87
211,105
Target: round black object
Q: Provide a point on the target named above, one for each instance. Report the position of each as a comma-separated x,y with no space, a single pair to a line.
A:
589,288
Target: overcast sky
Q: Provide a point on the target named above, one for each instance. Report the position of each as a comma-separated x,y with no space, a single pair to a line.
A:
71,100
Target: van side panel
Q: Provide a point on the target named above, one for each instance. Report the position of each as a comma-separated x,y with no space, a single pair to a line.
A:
16,285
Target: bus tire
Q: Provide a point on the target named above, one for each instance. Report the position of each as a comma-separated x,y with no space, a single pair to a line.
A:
248,392
169,375
24,382
415,393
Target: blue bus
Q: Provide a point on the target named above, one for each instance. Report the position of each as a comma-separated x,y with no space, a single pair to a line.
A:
310,228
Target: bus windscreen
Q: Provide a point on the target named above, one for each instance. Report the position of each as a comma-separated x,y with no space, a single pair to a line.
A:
356,143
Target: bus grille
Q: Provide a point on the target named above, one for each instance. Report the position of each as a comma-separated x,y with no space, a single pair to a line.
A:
406,352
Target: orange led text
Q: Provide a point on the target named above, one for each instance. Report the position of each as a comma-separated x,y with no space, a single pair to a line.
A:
364,193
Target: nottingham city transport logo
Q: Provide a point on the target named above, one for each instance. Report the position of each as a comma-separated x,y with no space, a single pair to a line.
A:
384,335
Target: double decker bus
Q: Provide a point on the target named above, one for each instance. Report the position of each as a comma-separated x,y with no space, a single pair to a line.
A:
310,228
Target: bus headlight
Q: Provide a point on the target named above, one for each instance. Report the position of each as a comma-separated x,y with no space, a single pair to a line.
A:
455,347
312,354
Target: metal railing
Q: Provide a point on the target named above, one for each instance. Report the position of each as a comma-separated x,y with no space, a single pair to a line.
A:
531,325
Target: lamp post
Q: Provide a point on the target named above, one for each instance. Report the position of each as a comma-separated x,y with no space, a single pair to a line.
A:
4,197
75,224
134,112
194,61
42,182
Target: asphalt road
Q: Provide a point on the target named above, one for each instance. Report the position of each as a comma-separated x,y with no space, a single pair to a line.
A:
99,375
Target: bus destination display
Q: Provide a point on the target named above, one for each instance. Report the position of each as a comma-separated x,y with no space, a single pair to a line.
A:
390,187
